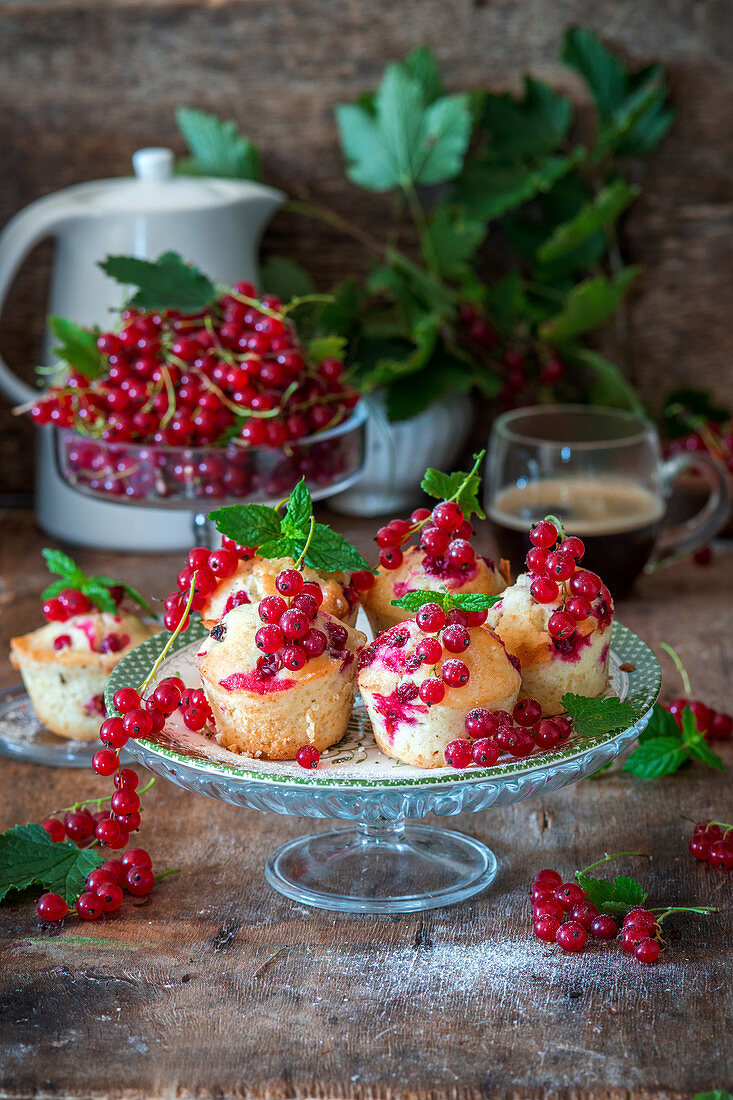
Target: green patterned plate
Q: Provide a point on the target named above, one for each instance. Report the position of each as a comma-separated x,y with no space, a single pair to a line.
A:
356,762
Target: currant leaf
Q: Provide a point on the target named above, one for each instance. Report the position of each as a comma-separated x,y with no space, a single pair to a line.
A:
661,724
28,857
217,148
461,487
77,346
599,714
326,347
166,283
616,896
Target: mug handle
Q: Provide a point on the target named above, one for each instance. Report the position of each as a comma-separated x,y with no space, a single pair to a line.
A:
712,517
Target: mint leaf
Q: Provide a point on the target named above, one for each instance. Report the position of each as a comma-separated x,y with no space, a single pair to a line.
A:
285,278
661,724
700,750
413,601
217,148
135,596
99,595
401,141
248,524
330,552
28,857
599,714
588,305
655,757
298,512
284,546
617,896
453,239
473,601
604,208
77,346
167,283
326,347
59,562
467,601
53,589
530,127
461,486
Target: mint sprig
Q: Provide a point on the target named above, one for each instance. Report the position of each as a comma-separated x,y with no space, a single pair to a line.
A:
287,536
461,487
466,601
599,714
664,747
96,587
166,283
28,857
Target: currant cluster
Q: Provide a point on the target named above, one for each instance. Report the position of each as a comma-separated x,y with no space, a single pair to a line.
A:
522,369
553,563
713,438
105,888
716,725
182,380
562,914
444,536
491,733
712,842
210,567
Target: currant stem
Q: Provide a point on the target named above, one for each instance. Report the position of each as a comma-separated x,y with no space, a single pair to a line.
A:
704,910
686,687
173,636
98,801
169,871
607,858
304,551
556,523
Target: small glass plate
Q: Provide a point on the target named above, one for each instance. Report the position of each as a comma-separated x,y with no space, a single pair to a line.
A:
22,737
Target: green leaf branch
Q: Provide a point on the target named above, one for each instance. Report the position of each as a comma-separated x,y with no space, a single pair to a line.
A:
96,587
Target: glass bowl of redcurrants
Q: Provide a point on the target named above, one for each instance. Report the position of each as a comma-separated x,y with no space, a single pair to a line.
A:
191,409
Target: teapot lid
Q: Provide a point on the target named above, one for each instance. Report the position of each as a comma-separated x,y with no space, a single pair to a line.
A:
156,187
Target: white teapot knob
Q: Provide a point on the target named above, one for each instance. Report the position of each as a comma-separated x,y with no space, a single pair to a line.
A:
155,163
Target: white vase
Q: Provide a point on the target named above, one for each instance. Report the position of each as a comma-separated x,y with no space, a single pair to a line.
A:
397,455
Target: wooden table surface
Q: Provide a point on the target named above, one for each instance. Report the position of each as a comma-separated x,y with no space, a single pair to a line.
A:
217,986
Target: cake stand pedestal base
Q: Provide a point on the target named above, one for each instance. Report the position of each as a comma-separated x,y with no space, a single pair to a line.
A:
388,867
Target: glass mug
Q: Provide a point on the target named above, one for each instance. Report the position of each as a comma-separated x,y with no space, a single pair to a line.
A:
600,471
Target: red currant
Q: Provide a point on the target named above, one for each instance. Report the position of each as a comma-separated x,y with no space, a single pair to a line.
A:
89,906
585,583
561,625
543,534
289,582
431,618
544,590
54,828
603,927
527,712
447,516
456,639
545,928
560,565
571,936
308,756
432,691
584,913
105,762
51,907
139,880
455,673
647,951
459,753
569,895
126,699
391,558
485,752
429,650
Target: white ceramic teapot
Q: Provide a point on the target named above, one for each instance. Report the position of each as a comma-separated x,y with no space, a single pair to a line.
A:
215,223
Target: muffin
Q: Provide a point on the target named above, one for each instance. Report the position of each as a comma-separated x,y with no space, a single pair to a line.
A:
65,666
255,578
557,652
422,571
269,703
418,686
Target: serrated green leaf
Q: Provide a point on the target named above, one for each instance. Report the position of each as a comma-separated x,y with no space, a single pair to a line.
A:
461,486
247,524
452,240
217,148
53,589
332,553
655,757
602,71
299,511
489,190
285,278
413,601
326,347
607,385
29,857
614,897
473,601
588,305
716,1094
99,595
421,65
527,128
443,374
400,141
133,593
594,715
166,283
661,724
59,562
77,346
646,99
466,601
506,301
605,208
700,750
284,546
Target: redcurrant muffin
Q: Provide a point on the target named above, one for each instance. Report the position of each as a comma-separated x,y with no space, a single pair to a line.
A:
233,576
66,664
444,559
557,621
420,678
280,676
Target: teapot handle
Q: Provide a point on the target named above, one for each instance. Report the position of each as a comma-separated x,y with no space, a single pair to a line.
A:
22,232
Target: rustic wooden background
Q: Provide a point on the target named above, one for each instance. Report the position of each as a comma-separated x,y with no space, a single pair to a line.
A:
85,82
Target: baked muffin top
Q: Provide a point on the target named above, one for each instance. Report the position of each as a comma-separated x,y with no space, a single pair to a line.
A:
94,637
255,579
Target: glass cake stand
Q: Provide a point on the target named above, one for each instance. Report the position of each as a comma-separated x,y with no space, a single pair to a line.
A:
380,863
200,479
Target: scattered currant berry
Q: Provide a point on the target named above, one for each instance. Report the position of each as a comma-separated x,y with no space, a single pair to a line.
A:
485,751
549,876
105,762
51,907
604,927
546,928
571,936
139,880
584,913
459,753
548,908
527,712
89,906
54,828
308,756
110,895
391,558
569,895
432,691
480,723
647,951
431,618
456,639
429,650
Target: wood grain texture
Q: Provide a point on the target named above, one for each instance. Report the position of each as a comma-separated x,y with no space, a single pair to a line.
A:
88,83
217,986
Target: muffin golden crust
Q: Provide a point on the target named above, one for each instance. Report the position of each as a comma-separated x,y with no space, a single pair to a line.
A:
254,579
391,674
415,573
65,666
551,667
261,710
